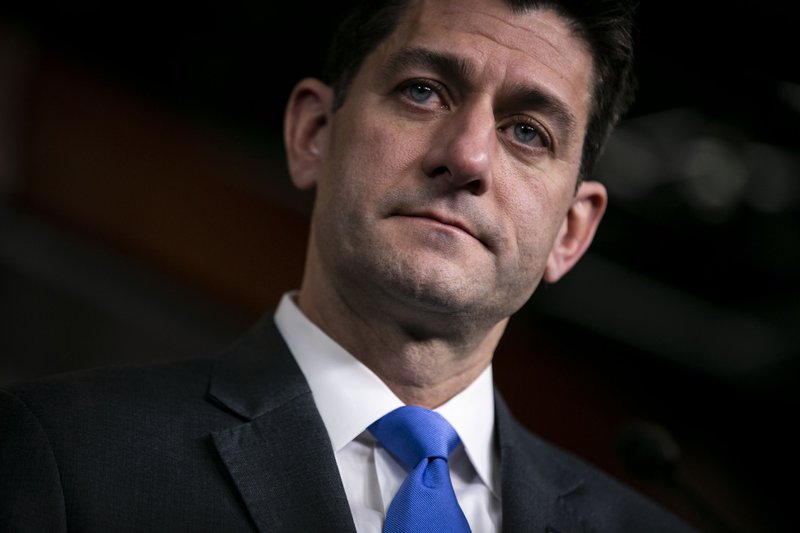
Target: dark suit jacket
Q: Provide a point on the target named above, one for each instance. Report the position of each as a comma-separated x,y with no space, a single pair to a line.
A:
236,444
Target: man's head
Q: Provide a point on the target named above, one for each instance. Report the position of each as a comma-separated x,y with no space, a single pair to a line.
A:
605,25
445,161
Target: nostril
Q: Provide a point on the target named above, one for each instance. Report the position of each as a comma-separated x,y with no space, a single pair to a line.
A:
440,171
477,186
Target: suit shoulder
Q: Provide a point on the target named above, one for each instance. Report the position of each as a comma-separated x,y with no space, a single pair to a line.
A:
111,384
600,497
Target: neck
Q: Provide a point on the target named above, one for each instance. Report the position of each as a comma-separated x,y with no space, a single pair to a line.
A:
424,360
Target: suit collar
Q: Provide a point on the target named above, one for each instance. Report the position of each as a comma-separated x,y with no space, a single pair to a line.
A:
257,373
279,457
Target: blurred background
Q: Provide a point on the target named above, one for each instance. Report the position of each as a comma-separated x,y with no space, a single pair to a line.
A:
146,214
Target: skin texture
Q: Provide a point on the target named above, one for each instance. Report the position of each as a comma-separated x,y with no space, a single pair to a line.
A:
445,188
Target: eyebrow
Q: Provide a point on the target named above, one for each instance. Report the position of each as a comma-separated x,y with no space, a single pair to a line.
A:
534,98
451,66
461,71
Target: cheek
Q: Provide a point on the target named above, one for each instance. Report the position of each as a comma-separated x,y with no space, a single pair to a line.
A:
535,210
392,147
373,155
370,165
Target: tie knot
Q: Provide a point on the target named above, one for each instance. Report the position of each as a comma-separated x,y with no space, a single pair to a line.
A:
411,434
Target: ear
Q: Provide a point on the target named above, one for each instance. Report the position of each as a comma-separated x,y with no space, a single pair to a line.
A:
577,230
305,130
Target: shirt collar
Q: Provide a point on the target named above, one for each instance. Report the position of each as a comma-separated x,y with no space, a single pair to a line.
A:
347,412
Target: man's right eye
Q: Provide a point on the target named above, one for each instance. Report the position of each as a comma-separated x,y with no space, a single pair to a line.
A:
419,93
424,93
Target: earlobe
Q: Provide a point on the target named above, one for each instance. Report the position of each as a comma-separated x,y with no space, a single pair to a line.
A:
305,129
577,230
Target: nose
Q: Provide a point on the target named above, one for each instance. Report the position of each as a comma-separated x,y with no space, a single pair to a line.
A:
461,150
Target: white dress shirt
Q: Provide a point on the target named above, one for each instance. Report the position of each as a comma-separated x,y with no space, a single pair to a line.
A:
350,397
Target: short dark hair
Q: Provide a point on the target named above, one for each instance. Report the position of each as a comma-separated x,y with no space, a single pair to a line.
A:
605,25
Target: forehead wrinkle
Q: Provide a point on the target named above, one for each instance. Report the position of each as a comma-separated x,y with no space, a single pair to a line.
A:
481,29
544,15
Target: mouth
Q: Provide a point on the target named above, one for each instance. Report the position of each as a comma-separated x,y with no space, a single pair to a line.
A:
452,222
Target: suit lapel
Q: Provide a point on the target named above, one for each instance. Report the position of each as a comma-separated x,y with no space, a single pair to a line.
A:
280,457
535,488
282,464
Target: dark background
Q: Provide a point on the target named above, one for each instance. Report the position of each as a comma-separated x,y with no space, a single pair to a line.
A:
145,214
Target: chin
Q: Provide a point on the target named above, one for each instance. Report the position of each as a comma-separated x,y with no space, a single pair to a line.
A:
431,297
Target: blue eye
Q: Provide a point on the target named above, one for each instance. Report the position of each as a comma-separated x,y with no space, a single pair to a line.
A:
525,133
419,93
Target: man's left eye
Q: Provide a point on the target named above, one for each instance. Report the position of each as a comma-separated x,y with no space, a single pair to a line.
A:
526,134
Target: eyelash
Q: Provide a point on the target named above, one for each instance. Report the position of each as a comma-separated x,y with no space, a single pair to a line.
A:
441,92
527,121
436,87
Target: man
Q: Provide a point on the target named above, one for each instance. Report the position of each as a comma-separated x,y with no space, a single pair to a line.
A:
449,155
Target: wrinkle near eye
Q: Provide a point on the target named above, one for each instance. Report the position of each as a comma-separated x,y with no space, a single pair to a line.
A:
557,112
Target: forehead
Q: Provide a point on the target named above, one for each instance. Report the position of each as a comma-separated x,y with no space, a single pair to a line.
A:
536,47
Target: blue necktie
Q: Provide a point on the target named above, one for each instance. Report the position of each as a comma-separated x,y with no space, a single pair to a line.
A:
421,440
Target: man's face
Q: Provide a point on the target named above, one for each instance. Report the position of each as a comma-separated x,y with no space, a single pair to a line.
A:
448,172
